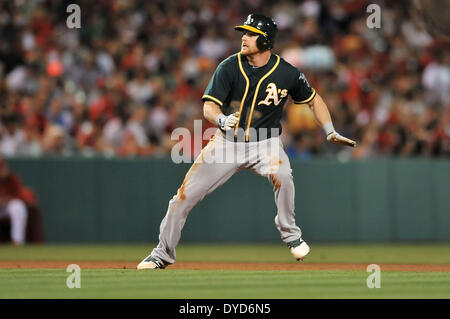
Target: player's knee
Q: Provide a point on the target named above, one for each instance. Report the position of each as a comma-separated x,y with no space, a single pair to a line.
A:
197,195
188,196
284,175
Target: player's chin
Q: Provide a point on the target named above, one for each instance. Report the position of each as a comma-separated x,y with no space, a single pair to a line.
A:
245,51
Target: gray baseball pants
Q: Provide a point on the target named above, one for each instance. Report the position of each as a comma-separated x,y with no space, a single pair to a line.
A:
218,161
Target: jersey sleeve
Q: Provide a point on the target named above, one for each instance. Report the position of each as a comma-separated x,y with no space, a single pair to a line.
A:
302,92
219,86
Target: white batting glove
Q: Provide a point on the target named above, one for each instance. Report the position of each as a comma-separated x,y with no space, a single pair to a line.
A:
336,138
227,122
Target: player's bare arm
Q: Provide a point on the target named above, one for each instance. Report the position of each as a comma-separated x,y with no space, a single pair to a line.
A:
212,112
322,116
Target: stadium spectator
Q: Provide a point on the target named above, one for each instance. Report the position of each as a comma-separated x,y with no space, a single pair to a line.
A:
14,198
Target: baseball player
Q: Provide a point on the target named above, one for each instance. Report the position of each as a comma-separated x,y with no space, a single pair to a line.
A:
245,98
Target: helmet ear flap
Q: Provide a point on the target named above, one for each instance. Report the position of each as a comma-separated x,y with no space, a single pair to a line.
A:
263,43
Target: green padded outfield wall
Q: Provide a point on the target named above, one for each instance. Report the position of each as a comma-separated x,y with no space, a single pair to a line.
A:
124,200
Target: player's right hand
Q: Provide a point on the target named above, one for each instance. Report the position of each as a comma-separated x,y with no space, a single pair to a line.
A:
228,122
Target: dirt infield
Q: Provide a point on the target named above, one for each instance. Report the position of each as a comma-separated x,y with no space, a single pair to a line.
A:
219,266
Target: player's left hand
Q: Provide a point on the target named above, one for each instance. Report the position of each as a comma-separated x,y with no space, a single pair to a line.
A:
336,138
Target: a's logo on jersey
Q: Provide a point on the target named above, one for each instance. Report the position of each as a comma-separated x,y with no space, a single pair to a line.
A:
272,95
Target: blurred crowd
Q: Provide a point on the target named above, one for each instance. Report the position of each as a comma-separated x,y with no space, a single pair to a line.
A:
137,69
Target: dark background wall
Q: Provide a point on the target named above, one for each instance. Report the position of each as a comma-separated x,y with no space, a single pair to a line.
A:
104,200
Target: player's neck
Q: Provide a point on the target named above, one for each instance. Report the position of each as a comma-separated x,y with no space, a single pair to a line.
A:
259,59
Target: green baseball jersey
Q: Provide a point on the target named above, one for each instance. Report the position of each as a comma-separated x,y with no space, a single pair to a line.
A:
259,94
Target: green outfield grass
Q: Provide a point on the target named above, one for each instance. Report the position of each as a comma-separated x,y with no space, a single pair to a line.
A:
187,284
177,283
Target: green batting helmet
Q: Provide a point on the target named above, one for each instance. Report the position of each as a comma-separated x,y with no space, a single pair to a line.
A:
262,25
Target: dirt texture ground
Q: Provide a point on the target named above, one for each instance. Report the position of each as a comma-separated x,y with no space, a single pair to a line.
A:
26,264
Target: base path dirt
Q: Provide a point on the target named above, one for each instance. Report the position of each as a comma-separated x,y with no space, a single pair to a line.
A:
219,266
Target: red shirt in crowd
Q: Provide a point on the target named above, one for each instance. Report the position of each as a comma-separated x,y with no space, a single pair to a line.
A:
12,187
